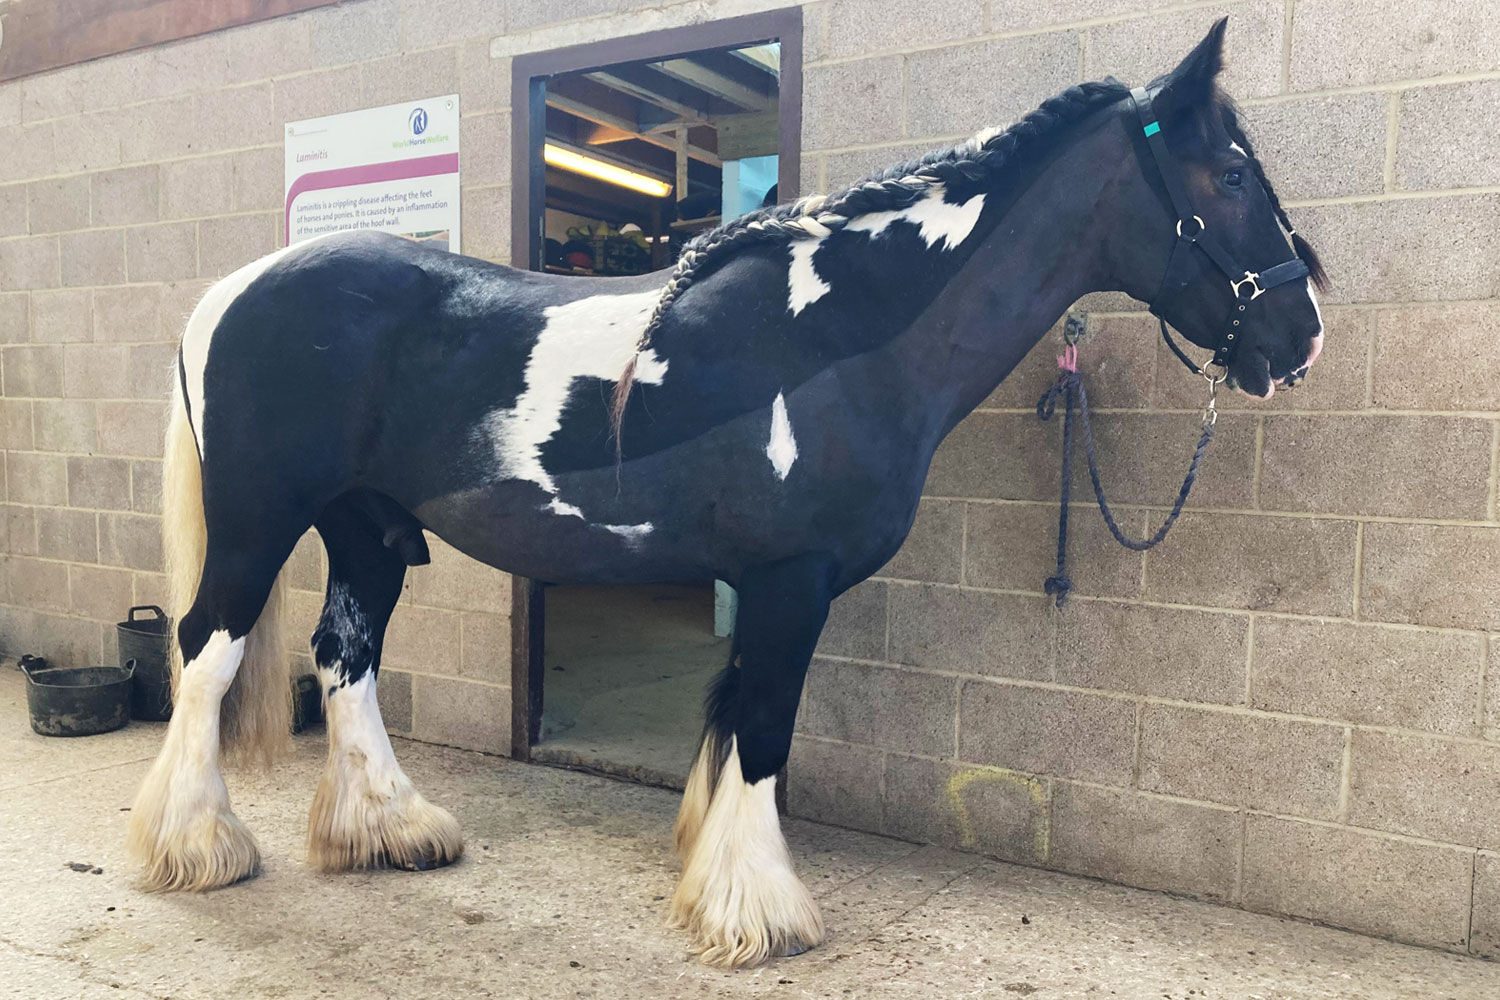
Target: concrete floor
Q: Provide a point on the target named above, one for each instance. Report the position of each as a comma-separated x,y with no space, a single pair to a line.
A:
626,671
562,893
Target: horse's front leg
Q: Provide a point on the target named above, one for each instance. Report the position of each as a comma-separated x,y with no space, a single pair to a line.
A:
739,897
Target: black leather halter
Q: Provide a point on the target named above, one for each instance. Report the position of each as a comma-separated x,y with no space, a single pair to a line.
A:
1247,285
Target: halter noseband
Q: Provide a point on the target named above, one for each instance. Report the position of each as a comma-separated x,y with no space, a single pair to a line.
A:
1247,285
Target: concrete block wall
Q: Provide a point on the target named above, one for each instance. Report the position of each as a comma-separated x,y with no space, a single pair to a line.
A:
1289,707
1292,704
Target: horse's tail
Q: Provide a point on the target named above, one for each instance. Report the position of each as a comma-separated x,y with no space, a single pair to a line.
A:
255,715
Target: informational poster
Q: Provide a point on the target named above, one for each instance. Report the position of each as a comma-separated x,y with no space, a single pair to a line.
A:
394,169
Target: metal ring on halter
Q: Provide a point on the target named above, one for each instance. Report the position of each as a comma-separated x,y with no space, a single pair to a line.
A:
1214,380
1194,236
1251,278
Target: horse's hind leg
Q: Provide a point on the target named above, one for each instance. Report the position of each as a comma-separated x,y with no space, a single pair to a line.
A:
366,813
739,897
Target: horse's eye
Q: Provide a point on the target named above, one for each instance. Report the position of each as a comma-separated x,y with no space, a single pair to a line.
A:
1233,178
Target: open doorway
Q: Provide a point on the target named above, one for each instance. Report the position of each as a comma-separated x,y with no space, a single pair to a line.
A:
625,150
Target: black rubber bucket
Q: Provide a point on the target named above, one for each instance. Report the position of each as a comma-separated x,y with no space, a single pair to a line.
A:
78,701
307,702
146,640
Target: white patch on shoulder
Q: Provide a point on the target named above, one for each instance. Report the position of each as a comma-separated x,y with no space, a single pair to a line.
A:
804,285
563,509
935,218
205,320
782,448
634,534
591,338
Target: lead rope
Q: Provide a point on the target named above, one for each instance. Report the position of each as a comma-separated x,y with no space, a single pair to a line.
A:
1069,386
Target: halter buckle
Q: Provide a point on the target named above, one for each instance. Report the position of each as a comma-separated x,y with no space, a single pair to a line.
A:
1252,279
1193,235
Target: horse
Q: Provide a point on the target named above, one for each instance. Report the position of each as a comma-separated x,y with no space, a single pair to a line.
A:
764,413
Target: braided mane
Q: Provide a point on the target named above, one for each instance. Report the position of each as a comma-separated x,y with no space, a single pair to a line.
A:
897,187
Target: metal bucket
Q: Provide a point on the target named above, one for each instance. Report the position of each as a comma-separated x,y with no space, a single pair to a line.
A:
78,701
147,641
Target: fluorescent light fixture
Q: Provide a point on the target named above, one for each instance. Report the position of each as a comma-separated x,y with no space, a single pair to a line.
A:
566,159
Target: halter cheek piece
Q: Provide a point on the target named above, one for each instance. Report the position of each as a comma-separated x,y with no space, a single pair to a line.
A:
1247,285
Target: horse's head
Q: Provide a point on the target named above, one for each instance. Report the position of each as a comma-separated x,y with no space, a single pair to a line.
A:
1203,231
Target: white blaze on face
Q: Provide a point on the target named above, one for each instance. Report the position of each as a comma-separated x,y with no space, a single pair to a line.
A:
782,448
1317,343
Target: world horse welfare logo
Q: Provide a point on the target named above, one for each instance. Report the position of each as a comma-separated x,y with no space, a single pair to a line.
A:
418,121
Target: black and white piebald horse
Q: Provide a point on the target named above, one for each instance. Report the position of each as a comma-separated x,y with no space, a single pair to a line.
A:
780,395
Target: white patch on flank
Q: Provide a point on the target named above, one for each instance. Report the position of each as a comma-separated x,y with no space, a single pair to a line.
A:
936,219
564,509
634,534
205,320
591,338
804,285
782,448
739,896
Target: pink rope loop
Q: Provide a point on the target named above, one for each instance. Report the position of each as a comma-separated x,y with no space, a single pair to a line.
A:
1068,360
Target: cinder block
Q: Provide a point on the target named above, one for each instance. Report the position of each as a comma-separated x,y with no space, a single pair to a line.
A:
15,424
150,370
98,483
32,262
425,23
1484,934
304,567
484,82
1407,338
1341,43
163,252
30,152
1165,652
184,65
62,315
158,130
856,625
393,690
314,95
227,244
934,548
526,15
103,594
58,204
486,223
1431,467
1427,787
90,142
997,812
38,479
32,371
414,76
1066,734
235,117
486,647
62,533
145,487
151,588
1409,891
1013,546
1257,563
127,313
1321,147
15,318
1117,358
13,209
93,257
1278,765
997,456
425,640
888,708
70,642
1431,574
1140,840
125,196
1381,251
355,33
38,583
453,580
856,164
1367,674
132,429
486,143
970,631
462,714
1441,134
1140,49
835,783
20,530
95,371
852,103
66,425
939,104
258,179
273,47
196,187
1143,457
857,27
130,540
178,299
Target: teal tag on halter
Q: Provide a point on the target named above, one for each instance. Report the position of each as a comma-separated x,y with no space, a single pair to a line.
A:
1152,129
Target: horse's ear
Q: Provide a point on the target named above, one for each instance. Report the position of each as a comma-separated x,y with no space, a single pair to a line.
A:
1192,82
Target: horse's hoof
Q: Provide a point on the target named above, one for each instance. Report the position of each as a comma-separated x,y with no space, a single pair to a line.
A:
429,861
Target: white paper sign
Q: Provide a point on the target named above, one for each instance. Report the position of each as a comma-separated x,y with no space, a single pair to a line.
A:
394,169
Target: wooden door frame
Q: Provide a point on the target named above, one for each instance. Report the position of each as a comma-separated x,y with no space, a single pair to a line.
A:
529,72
